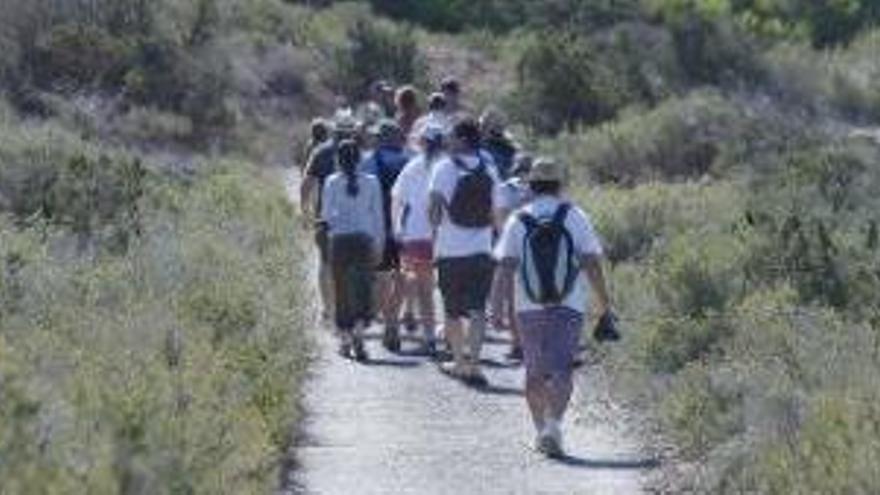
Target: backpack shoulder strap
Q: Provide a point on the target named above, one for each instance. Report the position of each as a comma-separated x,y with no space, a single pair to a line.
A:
459,163
561,214
528,220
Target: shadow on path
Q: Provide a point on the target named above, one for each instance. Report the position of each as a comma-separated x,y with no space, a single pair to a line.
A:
610,464
392,363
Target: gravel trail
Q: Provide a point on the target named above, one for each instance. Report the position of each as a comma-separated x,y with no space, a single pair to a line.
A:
398,426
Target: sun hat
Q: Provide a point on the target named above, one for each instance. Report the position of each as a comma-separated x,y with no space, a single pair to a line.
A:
547,170
345,123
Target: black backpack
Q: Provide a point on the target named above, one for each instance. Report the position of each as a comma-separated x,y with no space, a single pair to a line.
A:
471,204
549,262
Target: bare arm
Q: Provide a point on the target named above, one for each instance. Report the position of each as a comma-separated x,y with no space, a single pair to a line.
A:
436,207
307,196
501,216
502,289
593,270
397,207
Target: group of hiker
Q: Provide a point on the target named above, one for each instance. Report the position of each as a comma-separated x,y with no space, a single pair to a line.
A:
405,200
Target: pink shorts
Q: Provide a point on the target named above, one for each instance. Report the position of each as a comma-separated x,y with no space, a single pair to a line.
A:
417,255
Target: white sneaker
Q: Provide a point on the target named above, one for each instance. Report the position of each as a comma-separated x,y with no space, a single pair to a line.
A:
550,439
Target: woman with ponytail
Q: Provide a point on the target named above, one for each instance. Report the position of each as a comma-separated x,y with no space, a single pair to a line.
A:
353,211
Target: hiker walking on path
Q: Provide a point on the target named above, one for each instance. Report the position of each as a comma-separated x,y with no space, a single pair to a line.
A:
380,103
407,112
352,212
450,87
463,194
436,117
515,193
498,142
386,163
319,133
545,251
415,232
321,165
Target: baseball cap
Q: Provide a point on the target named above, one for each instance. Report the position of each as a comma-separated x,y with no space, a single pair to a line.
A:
385,130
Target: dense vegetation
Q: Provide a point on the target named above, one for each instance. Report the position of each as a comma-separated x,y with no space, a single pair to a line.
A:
726,151
150,335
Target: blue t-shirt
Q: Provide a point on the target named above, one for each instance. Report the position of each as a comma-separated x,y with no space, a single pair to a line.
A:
502,152
386,163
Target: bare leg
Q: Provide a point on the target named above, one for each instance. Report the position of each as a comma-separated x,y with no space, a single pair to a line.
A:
390,291
559,389
424,291
455,335
476,336
325,286
516,342
536,399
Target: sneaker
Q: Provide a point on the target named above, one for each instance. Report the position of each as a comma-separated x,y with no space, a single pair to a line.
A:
428,349
476,379
515,354
345,350
452,369
391,338
360,354
409,323
549,440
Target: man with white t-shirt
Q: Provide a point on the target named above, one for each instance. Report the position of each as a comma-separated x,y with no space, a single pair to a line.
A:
547,252
463,196
414,232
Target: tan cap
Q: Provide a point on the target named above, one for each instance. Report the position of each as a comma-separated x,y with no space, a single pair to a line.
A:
547,170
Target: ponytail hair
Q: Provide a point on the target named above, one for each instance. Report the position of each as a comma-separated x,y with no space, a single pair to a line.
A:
348,158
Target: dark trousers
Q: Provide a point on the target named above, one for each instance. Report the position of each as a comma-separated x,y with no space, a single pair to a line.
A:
351,258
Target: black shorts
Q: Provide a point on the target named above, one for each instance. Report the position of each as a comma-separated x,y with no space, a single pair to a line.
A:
465,283
390,257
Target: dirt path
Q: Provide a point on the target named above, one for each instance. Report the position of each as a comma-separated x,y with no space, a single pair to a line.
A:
399,426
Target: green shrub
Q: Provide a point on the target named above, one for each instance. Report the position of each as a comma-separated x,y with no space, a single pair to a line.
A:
173,366
504,15
80,56
698,413
668,345
698,275
372,51
814,217
633,221
149,127
842,81
700,134
562,83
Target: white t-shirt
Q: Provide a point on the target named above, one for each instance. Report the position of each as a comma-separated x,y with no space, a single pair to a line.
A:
454,241
515,193
586,242
411,193
359,214
434,119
